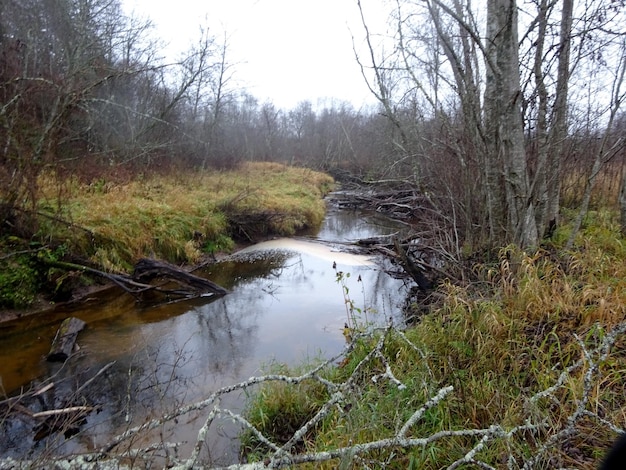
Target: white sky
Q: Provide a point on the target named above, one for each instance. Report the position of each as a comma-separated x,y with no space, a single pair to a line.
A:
285,51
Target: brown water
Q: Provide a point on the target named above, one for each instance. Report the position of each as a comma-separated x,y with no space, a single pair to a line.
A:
285,306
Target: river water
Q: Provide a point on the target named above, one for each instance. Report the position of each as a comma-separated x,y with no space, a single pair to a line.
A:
285,306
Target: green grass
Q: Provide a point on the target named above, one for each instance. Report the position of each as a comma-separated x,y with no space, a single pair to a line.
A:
19,279
498,342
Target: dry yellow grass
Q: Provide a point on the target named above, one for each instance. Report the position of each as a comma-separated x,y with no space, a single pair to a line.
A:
176,217
605,190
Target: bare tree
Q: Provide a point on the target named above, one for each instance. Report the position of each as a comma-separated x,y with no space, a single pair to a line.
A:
502,105
83,88
504,126
559,120
607,149
54,60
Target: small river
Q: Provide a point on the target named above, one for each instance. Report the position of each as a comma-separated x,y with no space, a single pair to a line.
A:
285,306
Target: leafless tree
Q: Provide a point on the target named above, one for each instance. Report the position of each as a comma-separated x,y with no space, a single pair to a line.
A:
84,88
503,102
54,58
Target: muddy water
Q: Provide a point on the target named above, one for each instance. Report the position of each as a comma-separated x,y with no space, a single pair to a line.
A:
285,306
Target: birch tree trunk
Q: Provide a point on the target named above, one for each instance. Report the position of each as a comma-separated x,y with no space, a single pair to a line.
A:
508,177
464,67
559,118
539,184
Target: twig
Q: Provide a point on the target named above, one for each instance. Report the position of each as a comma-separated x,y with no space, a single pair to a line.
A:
100,372
71,409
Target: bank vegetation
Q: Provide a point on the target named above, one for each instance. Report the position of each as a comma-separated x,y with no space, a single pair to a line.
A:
185,218
520,368
501,130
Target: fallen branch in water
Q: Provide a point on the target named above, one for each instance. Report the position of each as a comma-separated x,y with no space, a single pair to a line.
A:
71,409
65,339
146,270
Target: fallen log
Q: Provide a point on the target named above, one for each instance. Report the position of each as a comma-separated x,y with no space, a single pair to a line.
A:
412,268
65,339
121,280
383,240
148,269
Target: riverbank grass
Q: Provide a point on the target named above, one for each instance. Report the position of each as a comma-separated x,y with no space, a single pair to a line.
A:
526,349
180,217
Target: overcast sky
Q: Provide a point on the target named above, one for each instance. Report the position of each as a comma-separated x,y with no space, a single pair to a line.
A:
285,51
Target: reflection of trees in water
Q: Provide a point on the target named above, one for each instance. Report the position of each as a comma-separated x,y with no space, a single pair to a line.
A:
189,349
385,292
72,384
241,268
377,294
352,225
226,335
180,352
181,363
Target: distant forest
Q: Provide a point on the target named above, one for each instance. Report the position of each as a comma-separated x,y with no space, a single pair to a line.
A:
496,142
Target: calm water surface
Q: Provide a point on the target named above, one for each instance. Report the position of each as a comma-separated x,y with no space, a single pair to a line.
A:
285,306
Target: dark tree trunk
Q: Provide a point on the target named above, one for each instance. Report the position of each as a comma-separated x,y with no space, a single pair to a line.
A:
147,269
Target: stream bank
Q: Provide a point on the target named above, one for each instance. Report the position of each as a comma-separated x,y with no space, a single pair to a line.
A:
286,306
181,218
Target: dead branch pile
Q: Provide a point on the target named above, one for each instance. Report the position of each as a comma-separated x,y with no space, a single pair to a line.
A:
401,204
56,406
431,248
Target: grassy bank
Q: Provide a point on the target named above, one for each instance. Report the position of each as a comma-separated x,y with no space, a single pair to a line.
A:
179,218
537,380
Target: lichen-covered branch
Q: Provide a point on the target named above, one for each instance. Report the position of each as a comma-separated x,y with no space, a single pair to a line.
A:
587,368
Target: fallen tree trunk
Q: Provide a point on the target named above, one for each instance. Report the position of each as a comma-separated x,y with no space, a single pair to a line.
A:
121,280
147,270
412,268
65,339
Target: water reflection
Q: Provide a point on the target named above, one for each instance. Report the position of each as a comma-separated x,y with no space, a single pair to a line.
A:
285,305
343,225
